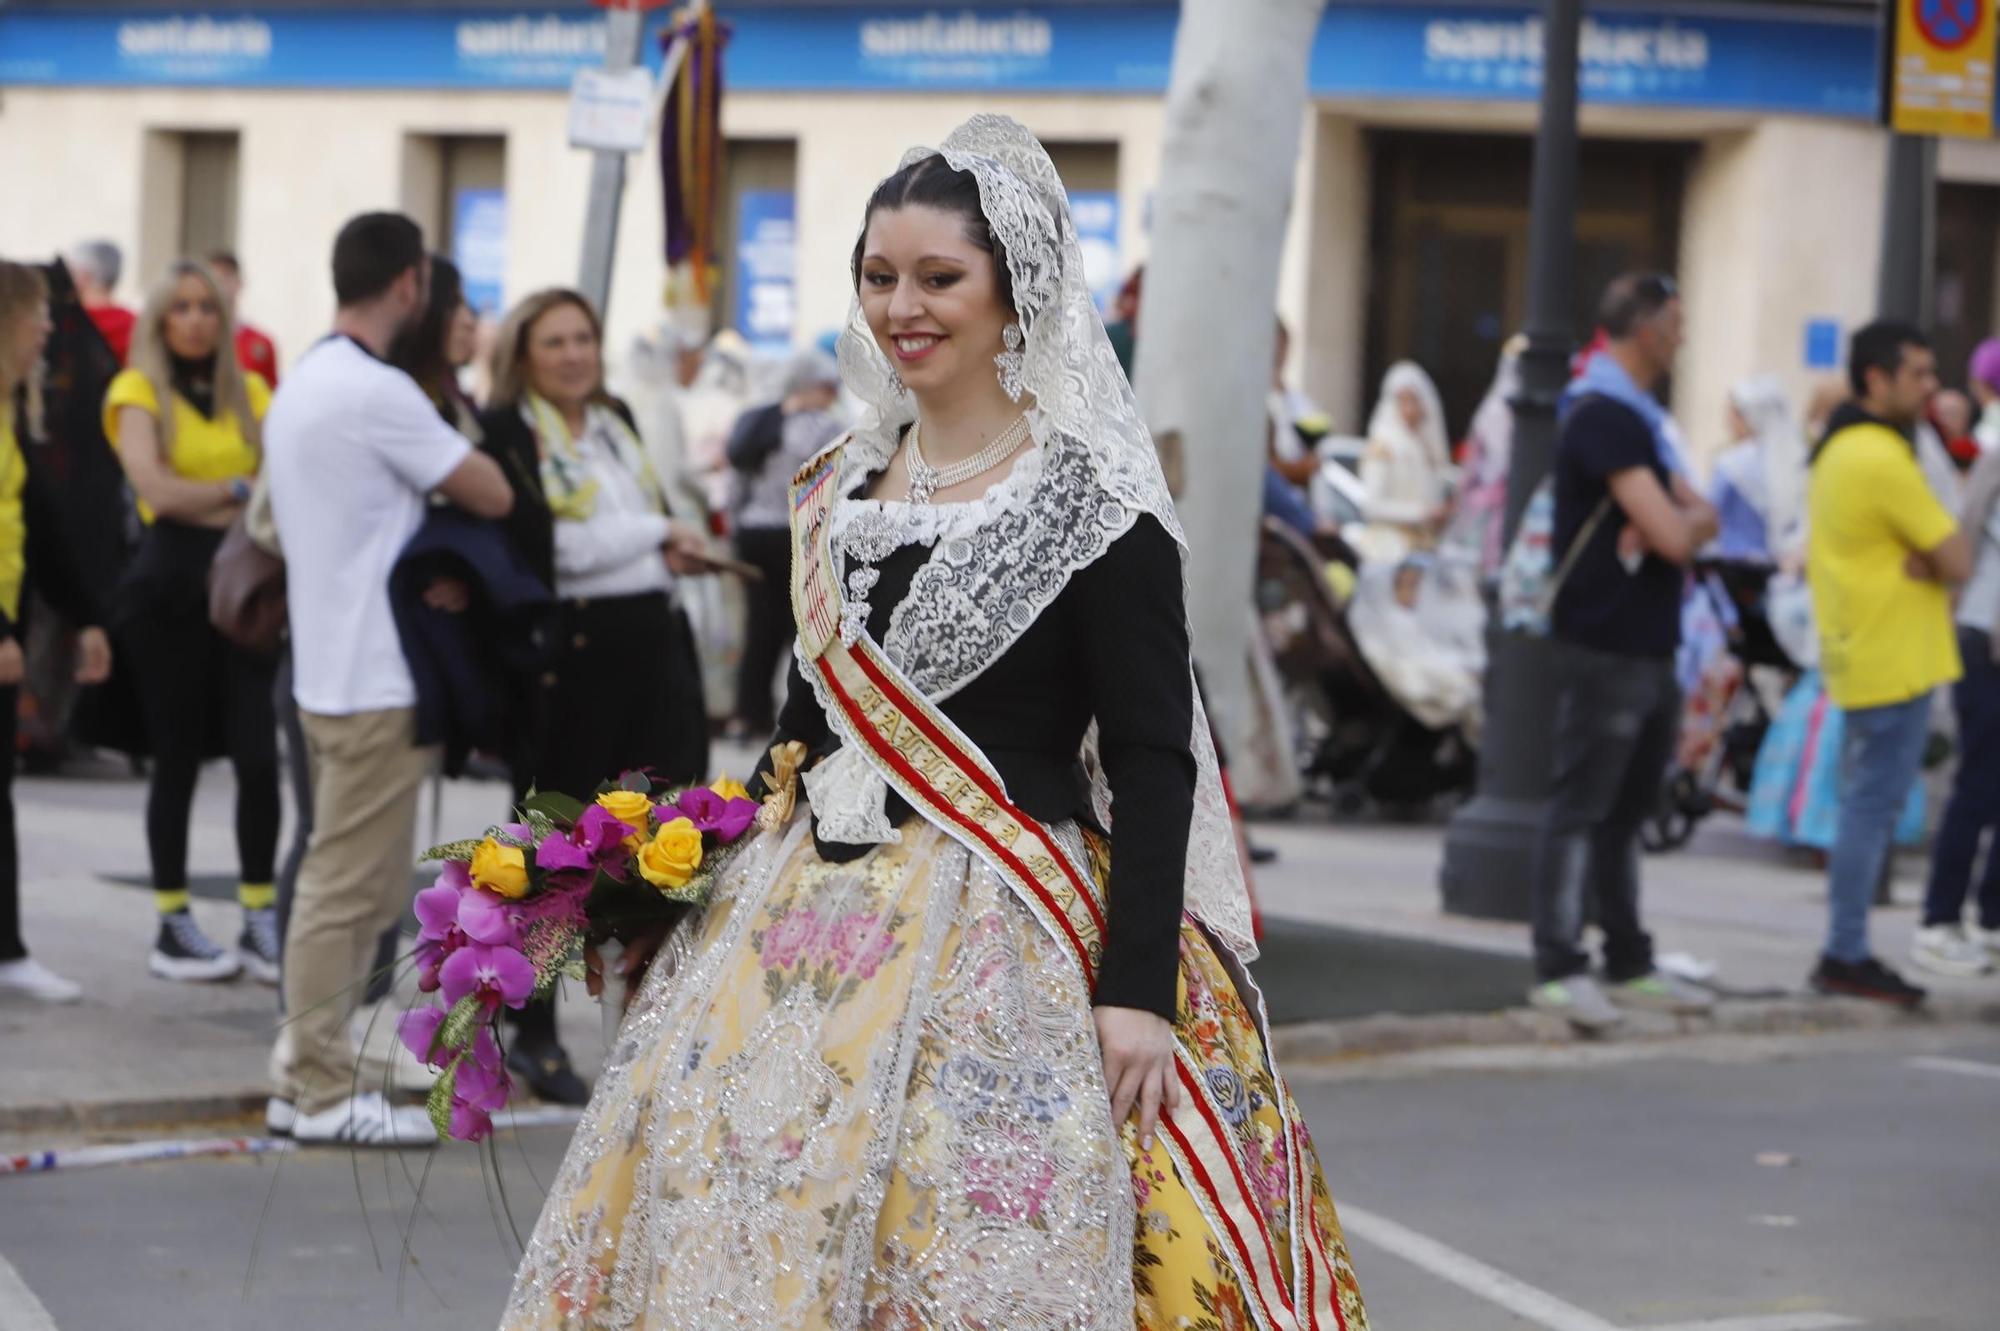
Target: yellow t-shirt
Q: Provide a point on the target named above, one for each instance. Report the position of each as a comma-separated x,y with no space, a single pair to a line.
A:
13,517
1885,637
204,449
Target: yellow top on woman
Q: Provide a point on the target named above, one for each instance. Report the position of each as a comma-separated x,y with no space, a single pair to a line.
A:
204,449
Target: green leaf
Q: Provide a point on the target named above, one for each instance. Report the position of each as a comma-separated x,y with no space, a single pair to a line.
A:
438,1102
563,808
461,1025
451,850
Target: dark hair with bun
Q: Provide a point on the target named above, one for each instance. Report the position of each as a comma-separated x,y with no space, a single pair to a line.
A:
932,182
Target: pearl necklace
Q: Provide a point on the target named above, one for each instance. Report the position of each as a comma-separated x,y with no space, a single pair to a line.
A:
926,480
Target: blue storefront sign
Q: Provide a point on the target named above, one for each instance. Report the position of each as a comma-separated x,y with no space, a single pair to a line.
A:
479,247
1095,213
1820,62
767,269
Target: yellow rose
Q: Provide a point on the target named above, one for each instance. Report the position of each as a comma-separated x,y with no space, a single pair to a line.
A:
672,856
630,808
731,790
501,869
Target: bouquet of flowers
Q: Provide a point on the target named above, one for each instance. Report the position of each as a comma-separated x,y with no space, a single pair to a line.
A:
511,912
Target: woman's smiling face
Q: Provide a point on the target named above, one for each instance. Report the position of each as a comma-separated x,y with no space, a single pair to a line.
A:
931,296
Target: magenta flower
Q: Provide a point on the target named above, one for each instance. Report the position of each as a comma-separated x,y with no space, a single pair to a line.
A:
496,974
418,1030
596,838
439,934
478,1092
486,918
710,813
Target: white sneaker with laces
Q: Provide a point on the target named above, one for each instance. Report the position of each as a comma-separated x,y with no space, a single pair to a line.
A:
365,1120
31,977
1579,998
1944,949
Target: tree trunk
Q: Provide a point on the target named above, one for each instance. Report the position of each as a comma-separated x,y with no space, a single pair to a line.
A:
1208,318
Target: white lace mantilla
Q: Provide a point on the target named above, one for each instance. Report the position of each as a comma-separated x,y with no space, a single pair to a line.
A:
999,565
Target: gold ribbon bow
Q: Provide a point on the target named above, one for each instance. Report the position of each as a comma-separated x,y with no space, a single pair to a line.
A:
782,785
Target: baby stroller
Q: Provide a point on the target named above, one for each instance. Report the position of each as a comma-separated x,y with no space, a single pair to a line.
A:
1725,714
1355,741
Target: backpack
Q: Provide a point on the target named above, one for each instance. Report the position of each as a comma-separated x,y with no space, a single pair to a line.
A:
1530,580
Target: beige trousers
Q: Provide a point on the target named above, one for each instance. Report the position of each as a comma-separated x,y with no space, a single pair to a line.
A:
355,882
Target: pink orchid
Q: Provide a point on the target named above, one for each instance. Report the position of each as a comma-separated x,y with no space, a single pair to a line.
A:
486,918
439,934
478,1092
496,974
418,1030
597,837
728,819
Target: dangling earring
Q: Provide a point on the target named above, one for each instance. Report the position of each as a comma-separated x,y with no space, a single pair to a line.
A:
897,386
1012,381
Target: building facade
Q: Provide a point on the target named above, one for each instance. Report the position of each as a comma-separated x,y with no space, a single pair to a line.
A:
1733,144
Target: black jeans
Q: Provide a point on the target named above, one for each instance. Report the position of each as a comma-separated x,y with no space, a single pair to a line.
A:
1617,718
11,946
768,630
1974,806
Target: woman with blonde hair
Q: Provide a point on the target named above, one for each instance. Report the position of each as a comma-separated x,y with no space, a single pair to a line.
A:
30,540
185,421
590,518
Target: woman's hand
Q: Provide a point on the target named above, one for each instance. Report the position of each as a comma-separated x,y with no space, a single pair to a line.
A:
1138,1066
13,663
638,955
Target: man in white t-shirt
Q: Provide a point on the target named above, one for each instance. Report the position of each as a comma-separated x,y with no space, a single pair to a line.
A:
353,451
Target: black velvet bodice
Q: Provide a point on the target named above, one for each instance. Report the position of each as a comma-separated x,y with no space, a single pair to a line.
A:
1112,646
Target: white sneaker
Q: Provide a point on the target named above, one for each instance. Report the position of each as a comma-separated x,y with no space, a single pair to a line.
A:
1986,938
1943,949
1661,992
280,1116
1579,998
365,1120
31,977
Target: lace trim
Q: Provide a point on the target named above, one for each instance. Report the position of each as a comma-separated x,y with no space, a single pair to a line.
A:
981,588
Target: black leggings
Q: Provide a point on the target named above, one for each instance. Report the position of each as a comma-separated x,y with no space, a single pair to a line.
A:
200,695
11,946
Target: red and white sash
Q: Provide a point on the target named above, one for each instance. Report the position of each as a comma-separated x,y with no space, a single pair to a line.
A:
926,759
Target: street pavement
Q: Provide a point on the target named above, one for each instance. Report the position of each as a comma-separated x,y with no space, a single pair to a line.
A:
1723,1184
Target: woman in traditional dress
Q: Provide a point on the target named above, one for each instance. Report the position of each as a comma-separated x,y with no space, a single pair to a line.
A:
1407,467
937,1055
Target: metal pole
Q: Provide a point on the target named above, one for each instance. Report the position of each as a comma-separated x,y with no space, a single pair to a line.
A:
1909,230
1489,847
623,31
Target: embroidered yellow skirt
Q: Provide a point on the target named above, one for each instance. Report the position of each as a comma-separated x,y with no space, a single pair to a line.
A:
869,1096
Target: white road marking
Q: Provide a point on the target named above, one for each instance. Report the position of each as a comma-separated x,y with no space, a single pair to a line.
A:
1770,1322
20,1310
1469,1273
1964,1067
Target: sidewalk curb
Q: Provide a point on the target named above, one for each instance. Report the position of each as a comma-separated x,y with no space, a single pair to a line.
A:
119,1115
1393,1033
1300,1043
